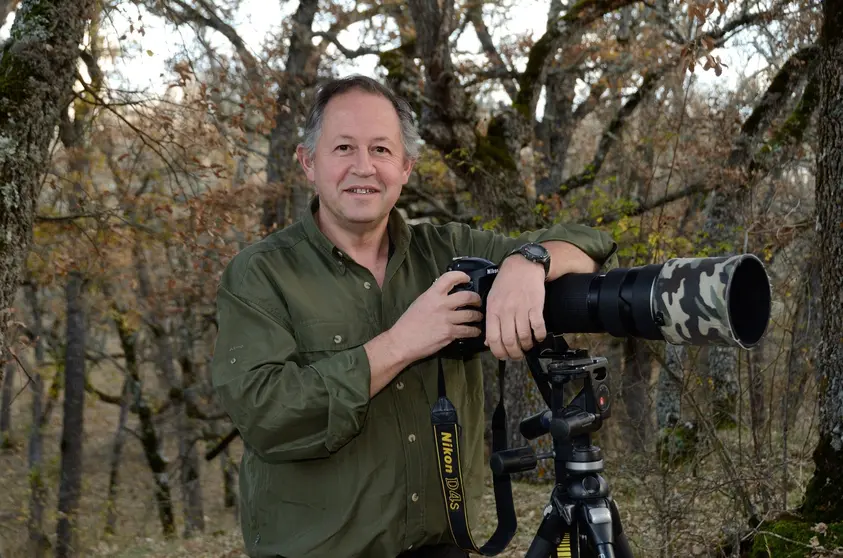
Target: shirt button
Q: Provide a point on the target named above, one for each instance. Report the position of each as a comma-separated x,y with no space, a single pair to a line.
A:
412,438
367,285
415,497
337,338
400,385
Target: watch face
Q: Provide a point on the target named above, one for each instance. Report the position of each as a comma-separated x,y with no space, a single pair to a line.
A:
535,251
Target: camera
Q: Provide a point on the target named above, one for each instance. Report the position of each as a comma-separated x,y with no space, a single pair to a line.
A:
683,301
481,273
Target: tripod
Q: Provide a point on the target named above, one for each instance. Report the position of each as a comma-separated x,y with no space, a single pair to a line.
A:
581,520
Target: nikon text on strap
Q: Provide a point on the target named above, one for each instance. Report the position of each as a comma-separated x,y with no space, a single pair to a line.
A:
447,431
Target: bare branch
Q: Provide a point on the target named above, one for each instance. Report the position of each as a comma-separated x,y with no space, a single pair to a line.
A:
612,132
67,218
475,16
332,38
578,17
189,14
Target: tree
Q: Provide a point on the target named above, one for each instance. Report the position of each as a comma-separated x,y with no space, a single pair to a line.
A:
38,66
824,494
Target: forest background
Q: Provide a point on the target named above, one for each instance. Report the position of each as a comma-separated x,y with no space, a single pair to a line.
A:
143,143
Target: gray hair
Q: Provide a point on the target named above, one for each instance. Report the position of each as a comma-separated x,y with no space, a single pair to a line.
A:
313,125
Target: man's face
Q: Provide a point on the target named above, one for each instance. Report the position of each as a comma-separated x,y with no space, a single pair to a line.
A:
359,166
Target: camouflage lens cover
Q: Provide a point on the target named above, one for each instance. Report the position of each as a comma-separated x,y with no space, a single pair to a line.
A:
712,301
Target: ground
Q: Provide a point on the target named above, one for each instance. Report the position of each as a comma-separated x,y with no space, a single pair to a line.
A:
676,514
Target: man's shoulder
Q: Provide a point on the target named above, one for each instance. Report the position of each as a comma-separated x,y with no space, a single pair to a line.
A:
425,230
274,246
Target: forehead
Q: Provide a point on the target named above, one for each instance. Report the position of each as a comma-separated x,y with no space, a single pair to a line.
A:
360,114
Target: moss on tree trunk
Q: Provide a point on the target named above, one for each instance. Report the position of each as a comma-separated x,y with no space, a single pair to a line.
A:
37,71
824,495
790,538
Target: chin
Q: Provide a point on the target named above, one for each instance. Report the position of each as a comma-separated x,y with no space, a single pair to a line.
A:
363,217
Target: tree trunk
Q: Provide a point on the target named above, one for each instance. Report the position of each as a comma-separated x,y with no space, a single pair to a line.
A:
38,542
803,340
38,67
116,451
723,371
637,372
824,494
70,485
287,196
189,459
669,391
229,472
194,517
757,406
148,435
6,396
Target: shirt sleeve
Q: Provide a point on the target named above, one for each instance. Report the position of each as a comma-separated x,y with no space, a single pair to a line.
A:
494,246
284,410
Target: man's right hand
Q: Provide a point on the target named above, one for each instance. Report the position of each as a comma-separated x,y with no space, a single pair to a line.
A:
430,323
433,320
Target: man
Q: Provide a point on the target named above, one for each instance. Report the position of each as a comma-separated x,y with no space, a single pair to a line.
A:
328,333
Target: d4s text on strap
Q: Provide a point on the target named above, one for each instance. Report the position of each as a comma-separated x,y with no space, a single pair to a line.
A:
447,431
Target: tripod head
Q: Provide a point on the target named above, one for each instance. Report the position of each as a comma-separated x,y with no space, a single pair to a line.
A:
580,513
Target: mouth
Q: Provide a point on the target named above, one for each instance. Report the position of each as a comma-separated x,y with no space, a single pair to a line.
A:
362,191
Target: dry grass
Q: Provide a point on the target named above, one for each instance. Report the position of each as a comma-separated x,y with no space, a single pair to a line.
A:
664,515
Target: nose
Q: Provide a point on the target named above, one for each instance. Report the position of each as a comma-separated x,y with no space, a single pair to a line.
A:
363,163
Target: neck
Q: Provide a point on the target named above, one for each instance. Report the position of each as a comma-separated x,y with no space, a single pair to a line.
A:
366,244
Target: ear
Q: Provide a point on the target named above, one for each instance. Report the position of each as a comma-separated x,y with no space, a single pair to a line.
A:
306,162
407,168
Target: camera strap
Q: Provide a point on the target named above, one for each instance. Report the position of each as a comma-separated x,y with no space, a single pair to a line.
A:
448,433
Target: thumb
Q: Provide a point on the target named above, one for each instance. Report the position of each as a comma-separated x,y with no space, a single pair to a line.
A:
451,279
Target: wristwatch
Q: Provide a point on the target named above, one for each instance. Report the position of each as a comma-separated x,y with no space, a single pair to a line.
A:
534,252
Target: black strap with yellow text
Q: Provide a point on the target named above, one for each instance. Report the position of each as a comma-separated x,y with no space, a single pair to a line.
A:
447,430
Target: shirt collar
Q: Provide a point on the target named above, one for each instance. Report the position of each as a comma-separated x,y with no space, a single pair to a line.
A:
399,233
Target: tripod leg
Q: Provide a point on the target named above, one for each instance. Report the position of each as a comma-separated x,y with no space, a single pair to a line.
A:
548,536
622,548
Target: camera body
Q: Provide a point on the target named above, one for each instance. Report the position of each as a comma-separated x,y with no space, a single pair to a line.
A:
481,273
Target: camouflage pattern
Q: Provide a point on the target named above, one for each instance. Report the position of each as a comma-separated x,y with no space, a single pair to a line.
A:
692,294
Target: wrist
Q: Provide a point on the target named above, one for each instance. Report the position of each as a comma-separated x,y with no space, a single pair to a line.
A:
523,265
399,352
534,253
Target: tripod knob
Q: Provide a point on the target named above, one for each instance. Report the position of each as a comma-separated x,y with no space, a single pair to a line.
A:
515,460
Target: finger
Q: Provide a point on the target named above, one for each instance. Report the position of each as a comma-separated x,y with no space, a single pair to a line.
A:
466,332
468,316
450,279
464,298
493,337
509,337
537,323
523,330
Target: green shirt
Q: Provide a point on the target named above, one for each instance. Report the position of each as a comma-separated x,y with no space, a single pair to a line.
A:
327,471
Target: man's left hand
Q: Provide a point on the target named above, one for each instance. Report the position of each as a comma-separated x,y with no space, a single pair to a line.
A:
515,308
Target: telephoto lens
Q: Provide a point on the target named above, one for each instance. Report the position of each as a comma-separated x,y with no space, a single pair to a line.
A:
684,301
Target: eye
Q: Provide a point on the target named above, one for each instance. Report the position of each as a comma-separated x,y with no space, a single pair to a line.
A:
343,147
381,149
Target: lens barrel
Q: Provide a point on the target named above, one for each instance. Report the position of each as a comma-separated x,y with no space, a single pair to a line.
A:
685,301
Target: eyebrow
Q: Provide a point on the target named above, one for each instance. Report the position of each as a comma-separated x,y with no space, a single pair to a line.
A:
379,138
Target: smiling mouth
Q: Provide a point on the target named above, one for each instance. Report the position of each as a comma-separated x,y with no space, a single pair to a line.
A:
362,191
